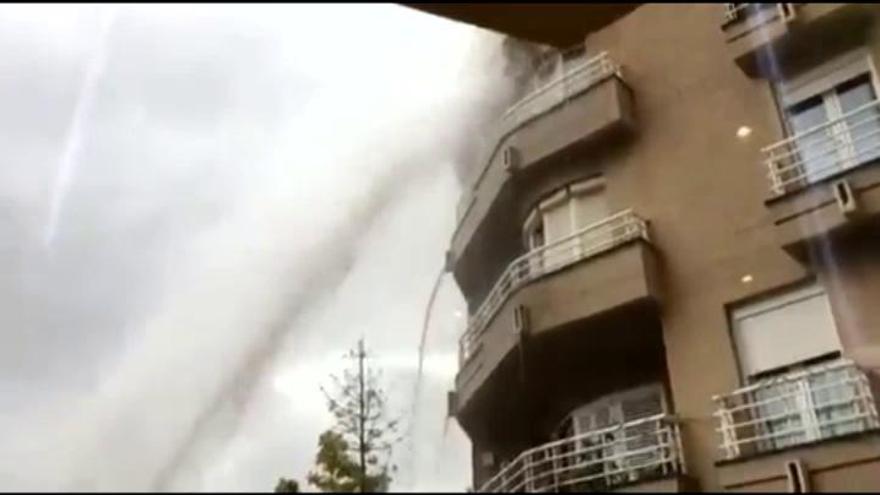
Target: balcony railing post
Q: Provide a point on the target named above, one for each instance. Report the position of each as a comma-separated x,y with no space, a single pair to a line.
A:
679,456
527,477
772,171
868,405
728,435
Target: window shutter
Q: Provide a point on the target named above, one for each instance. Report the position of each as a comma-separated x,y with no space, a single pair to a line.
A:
642,405
784,330
556,217
589,206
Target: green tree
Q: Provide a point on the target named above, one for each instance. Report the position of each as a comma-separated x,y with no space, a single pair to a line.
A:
286,486
354,455
335,470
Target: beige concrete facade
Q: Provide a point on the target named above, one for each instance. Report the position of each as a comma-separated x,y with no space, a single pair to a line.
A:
663,135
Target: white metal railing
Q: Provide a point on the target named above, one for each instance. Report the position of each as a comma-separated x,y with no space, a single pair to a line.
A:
820,402
739,11
569,79
821,151
630,452
583,243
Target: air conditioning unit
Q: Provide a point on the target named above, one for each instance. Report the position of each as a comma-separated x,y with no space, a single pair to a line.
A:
520,319
843,193
448,261
510,158
786,11
451,405
731,12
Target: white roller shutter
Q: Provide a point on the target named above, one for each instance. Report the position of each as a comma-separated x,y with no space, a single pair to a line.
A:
784,330
589,207
557,216
557,225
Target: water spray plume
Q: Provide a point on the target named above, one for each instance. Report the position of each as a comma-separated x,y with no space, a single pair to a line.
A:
227,303
333,259
425,322
70,152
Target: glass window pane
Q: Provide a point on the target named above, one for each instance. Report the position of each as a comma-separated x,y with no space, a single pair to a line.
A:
834,399
590,208
863,126
557,225
779,409
816,152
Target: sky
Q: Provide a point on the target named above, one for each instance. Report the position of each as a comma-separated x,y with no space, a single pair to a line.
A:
202,208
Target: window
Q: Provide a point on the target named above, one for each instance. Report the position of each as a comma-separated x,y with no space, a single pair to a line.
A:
833,115
598,461
778,338
553,224
783,330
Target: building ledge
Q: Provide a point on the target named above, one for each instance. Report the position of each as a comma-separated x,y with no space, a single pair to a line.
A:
561,24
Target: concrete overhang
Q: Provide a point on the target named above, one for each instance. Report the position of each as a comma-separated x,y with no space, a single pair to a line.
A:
556,24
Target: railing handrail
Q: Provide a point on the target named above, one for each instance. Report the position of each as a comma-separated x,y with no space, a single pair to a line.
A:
784,396
525,461
828,150
600,60
574,235
522,462
799,430
745,418
506,282
836,145
777,417
793,376
819,127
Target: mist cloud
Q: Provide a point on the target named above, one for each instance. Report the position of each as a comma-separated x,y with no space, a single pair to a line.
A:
231,169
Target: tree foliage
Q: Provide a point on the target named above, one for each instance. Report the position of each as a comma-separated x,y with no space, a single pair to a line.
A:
286,486
354,455
336,469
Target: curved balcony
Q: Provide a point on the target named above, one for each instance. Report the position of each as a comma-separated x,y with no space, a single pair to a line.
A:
587,242
641,451
825,180
584,102
567,82
572,81
569,309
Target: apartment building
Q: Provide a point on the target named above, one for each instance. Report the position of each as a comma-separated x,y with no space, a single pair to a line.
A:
671,254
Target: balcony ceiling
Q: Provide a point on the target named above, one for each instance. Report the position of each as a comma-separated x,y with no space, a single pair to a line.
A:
556,24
